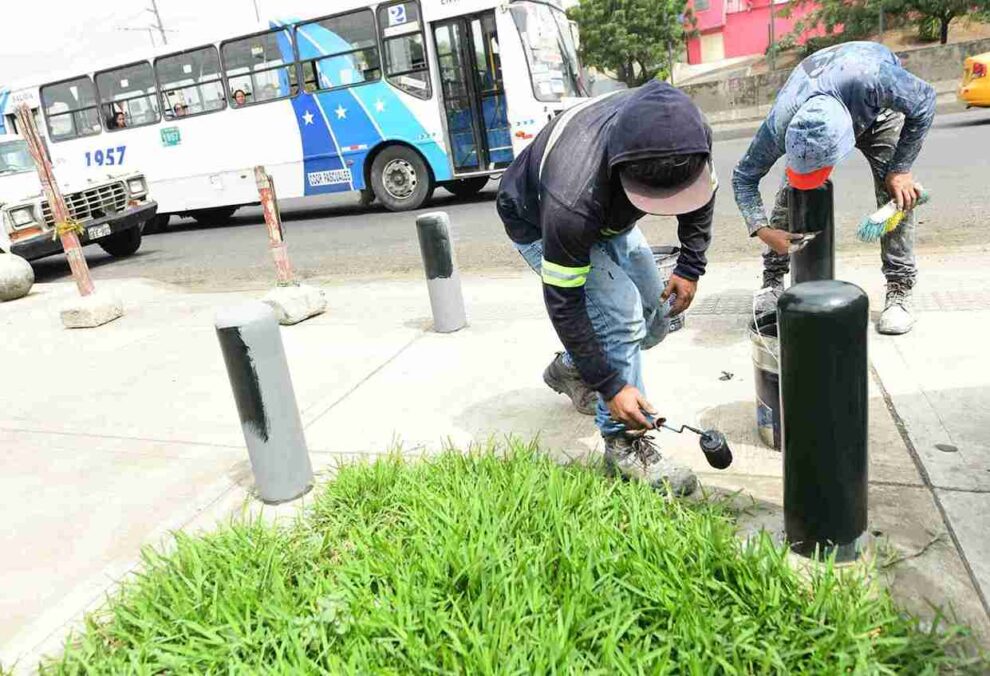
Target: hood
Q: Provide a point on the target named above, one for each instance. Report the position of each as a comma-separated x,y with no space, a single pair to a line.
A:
819,135
656,120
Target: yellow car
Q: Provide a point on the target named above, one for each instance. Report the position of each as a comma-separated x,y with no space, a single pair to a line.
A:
974,90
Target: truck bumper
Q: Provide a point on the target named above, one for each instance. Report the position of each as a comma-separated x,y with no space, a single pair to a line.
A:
43,245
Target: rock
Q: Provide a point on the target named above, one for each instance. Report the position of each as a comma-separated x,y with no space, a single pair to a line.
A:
90,311
293,304
16,277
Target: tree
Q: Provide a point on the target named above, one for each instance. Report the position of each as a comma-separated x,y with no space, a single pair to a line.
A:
635,39
943,12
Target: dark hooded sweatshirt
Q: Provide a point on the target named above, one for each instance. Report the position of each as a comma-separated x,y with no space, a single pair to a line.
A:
570,197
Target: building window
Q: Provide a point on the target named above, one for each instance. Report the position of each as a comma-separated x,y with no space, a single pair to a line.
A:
190,83
259,68
701,5
71,109
405,54
128,97
347,47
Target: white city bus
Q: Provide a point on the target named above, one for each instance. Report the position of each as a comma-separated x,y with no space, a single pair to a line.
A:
393,98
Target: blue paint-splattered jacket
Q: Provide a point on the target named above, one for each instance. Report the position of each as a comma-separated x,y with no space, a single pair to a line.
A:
867,78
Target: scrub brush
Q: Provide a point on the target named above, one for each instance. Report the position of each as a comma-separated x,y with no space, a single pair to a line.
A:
886,219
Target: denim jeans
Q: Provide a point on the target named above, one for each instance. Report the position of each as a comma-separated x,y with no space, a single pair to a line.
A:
622,295
877,144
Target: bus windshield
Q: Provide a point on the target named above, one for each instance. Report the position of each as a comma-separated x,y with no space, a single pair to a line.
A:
550,51
15,158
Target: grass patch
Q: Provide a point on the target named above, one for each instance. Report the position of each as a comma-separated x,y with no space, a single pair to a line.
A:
480,564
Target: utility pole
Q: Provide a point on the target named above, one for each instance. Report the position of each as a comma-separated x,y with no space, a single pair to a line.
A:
880,4
158,20
257,14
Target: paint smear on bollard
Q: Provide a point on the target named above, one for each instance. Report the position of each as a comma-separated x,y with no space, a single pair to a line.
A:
244,380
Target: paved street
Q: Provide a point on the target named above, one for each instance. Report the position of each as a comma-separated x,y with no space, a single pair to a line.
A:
334,237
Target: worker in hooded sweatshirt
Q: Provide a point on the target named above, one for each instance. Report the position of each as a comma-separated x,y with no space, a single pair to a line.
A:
855,94
570,202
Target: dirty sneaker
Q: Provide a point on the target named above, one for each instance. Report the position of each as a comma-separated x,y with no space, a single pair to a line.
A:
564,379
636,457
896,317
765,300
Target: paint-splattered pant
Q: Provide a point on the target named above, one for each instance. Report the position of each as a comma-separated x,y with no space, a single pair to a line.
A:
896,248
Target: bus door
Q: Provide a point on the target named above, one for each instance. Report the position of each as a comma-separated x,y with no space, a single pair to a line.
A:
478,133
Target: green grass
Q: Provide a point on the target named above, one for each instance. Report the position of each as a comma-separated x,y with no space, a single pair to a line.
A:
481,565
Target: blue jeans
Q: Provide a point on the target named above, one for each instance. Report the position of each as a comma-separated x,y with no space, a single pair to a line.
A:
623,300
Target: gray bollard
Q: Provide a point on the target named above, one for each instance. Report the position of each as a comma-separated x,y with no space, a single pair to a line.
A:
823,394
812,211
259,376
442,280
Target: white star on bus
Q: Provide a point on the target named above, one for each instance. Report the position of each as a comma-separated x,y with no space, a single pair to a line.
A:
379,105
341,112
308,117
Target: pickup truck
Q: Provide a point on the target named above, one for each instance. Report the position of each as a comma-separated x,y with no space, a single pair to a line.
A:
112,210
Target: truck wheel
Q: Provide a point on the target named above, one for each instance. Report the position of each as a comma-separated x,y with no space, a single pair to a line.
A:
121,244
213,216
466,187
400,179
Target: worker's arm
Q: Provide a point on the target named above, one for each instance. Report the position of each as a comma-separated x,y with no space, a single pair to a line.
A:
763,152
901,91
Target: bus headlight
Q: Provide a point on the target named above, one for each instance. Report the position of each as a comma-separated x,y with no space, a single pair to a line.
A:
137,186
22,217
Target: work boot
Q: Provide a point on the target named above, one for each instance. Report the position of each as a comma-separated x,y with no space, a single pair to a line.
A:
896,317
636,457
564,379
765,300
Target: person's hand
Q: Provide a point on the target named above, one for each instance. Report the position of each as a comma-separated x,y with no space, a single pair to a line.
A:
903,190
627,407
685,290
778,240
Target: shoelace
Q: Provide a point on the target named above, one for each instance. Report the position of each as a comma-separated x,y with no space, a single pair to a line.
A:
645,449
896,294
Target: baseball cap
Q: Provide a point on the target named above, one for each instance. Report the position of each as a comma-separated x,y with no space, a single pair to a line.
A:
659,120
819,135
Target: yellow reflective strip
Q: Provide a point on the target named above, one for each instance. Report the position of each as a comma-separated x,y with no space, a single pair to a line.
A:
562,270
570,283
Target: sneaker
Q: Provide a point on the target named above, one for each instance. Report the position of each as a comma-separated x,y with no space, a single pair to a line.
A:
636,457
765,300
564,379
896,317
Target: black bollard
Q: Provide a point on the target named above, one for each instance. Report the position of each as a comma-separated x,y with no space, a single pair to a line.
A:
810,211
442,280
823,387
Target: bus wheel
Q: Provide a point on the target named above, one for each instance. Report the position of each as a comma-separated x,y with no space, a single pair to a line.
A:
401,179
213,216
466,187
123,243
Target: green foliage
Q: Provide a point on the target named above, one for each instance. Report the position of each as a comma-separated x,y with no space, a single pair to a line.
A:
934,16
632,38
497,563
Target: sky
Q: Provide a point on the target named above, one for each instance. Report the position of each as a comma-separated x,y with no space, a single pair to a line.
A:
42,37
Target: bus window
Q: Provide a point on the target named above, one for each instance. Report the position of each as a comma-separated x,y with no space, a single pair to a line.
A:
71,109
405,55
190,83
350,49
127,96
256,69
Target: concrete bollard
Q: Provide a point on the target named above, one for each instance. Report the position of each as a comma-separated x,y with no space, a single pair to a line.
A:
16,277
442,279
259,376
812,211
823,387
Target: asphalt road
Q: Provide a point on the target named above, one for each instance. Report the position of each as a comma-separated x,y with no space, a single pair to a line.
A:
334,237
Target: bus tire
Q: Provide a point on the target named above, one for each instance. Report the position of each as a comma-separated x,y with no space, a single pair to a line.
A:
213,215
400,178
466,187
123,243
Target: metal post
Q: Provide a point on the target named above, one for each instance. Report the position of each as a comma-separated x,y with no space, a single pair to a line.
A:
65,226
259,376
442,280
273,221
823,388
811,211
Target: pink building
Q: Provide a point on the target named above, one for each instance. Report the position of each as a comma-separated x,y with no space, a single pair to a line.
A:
733,28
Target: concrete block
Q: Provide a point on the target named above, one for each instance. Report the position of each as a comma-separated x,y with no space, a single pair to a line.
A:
87,312
16,277
293,304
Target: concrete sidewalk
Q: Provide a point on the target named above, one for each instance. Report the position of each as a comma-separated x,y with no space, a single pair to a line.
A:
112,437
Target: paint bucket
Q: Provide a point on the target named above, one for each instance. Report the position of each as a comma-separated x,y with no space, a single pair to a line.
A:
766,367
666,259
